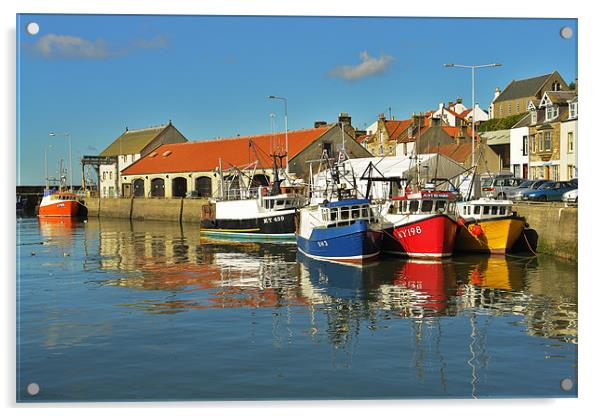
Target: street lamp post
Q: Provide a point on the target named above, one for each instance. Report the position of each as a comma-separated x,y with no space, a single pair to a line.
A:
68,136
48,146
472,68
273,97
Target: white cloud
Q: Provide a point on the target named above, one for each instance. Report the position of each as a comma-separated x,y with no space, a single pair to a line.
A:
65,46
369,66
158,41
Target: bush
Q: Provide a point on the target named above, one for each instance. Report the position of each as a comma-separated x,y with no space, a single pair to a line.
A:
500,123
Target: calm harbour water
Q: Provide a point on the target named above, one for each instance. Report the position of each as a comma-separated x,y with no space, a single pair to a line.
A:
116,310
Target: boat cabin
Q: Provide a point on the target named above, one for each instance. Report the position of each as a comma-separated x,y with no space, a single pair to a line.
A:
282,202
484,209
341,213
424,203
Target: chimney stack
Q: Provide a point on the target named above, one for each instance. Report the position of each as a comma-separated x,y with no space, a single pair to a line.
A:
381,116
319,123
345,118
497,93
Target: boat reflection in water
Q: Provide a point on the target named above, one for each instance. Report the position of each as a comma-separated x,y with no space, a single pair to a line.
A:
420,288
207,273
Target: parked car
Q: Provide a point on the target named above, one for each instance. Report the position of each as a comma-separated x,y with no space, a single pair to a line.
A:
526,186
551,191
499,187
570,196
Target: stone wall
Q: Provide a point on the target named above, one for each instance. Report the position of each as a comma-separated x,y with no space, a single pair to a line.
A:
155,209
555,225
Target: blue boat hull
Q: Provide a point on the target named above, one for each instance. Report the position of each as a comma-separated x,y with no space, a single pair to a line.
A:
353,243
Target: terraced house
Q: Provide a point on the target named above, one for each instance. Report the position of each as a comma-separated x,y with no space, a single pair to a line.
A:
515,98
546,119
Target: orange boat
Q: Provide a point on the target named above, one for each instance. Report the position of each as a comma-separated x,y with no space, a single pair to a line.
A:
59,204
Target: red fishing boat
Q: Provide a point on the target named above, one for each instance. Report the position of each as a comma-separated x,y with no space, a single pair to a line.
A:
423,224
59,204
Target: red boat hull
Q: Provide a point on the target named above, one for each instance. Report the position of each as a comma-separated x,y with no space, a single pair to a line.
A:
432,237
61,208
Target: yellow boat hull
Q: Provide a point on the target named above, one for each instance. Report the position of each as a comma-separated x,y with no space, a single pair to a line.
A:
497,236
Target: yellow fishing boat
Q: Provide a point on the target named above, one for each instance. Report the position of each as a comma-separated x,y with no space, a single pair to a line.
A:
487,225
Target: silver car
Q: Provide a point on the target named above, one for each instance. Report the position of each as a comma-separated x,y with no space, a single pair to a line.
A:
570,196
526,186
500,187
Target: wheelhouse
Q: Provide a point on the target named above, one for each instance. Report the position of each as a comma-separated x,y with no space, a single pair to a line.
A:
336,214
484,210
424,203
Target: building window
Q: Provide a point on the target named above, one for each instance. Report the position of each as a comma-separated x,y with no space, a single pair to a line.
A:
551,112
533,117
555,172
104,176
573,110
556,86
533,144
570,142
540,141
405,149
501,110
509,108
110,176
547,141
381,150
571,171
517,107
525,145
516,170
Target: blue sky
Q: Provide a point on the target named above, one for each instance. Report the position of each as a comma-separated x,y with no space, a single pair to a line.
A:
94,75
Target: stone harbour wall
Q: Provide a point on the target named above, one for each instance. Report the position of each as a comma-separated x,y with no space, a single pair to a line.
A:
155,209
555,225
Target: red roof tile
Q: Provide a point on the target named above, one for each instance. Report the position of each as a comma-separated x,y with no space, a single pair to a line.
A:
457,152
454,131
395,128
203,156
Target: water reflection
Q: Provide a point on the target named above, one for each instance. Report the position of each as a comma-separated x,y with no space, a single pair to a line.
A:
170,257
265,298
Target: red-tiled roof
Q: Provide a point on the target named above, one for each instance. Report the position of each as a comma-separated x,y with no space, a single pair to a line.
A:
363,138
457,152
204,156
396,128
454,131
464,113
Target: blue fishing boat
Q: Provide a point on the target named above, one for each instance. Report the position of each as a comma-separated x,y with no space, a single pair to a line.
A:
347,230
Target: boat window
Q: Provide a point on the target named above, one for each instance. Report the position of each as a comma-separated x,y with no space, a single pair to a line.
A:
344,213
413,206
502,210
451,208
494,210
355,211
427,205
464,210
486,210
392,207
477,209
365,211
333,214
440,206
404,206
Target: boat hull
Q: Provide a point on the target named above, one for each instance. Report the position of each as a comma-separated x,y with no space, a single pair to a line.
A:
431,237
60,208
497,235
353,243
278,225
